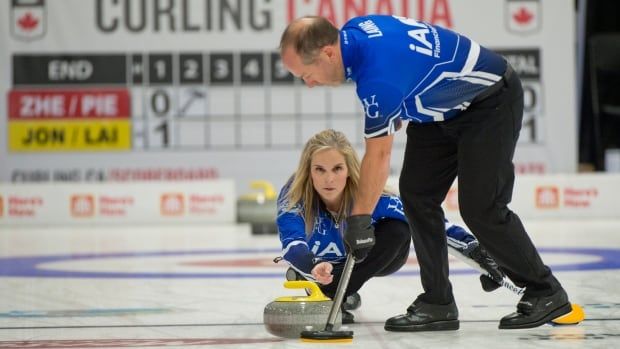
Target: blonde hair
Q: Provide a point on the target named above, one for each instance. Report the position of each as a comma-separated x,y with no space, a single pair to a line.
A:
302,191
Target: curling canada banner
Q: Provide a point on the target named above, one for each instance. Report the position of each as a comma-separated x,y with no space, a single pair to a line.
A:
184,90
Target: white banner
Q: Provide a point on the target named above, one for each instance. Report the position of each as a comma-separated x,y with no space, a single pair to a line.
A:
113,203
194,89
588,196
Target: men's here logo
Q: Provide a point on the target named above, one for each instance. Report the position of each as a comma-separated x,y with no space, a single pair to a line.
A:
172,204
82,205
371,107
547,197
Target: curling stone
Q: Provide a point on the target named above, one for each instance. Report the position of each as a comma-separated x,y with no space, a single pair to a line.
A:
259,208
288,316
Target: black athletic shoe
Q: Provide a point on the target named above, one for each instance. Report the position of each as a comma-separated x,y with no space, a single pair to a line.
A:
425,317
347,316
535,311
352,302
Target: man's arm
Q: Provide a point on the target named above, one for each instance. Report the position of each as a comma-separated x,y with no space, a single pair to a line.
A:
375,169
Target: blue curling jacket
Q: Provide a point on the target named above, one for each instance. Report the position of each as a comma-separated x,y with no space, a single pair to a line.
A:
324,243
412,70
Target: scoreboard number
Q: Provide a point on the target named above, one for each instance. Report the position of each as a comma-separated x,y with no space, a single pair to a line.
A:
221,72
160,103
160,69
252,68
279,74
160,112
191,69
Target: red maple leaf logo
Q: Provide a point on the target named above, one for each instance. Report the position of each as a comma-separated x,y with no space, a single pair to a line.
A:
28,22
523,16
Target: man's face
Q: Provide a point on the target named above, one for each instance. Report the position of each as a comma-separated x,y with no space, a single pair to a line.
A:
326,70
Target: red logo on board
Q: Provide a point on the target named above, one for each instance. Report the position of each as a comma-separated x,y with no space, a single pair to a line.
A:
82,205
28,19
547,197
172,204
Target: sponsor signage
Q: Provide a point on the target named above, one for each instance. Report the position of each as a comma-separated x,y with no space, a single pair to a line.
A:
566,196
153,202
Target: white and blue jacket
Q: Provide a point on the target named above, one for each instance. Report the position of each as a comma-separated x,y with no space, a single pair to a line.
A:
412,70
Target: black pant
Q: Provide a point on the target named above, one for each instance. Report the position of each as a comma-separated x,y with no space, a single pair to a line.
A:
478,146
389,254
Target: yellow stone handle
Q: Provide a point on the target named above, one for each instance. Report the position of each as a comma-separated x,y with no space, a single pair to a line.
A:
266,192
267,188
315,292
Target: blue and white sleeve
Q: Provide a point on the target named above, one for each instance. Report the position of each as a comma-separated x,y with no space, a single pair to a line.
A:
389,207
459,233
291,230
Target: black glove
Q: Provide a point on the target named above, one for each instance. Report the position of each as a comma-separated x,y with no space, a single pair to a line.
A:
482,257
492,281
359,236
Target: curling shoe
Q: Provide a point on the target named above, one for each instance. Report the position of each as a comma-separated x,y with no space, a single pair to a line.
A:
425,317
347,316
352,302
534,311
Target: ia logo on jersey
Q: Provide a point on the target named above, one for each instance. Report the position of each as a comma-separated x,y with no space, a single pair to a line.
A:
419,34
371,107
331,248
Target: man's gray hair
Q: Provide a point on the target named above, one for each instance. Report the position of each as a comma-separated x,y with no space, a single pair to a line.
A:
307,35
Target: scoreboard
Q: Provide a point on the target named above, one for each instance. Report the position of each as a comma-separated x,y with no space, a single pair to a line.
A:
182,101
188,101
218,100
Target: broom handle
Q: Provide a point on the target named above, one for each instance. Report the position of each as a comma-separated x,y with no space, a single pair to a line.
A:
342,287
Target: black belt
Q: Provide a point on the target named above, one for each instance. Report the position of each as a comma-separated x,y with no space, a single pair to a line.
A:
493,89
